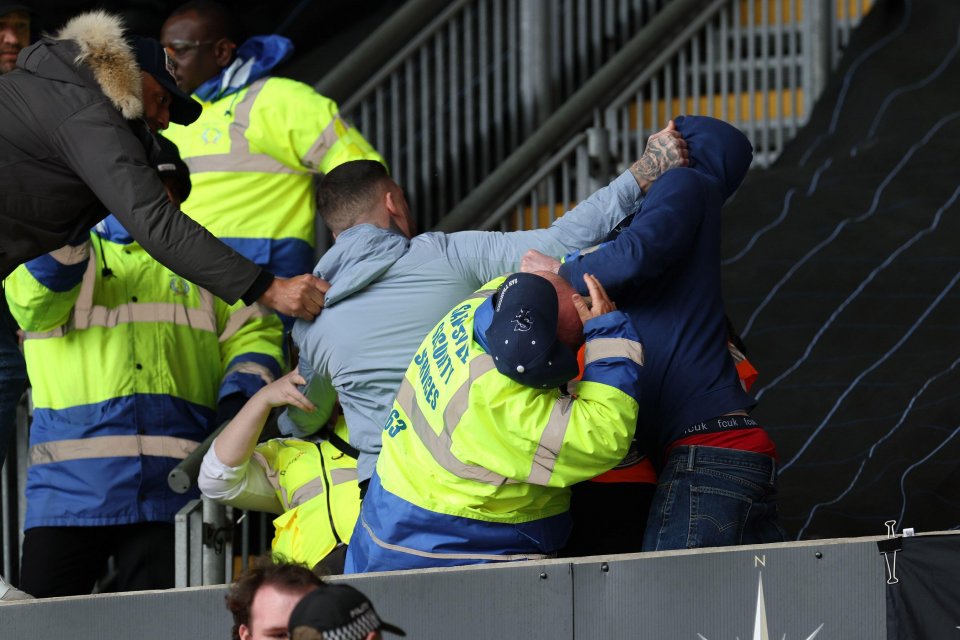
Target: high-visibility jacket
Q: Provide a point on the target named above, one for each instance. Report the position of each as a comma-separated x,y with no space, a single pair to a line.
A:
253,156
128,362
635,468
316,484
476,467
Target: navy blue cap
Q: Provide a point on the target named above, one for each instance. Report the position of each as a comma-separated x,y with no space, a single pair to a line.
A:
523,333
154,59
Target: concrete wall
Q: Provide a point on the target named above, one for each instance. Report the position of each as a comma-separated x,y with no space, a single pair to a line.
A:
830,589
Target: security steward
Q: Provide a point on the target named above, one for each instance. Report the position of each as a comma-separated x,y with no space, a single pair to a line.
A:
310,484
261,140
485,437
132,368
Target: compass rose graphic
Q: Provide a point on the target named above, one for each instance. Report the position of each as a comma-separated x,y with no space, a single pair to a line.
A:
760,629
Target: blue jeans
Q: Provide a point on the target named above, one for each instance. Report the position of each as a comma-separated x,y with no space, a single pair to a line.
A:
712,497
13,376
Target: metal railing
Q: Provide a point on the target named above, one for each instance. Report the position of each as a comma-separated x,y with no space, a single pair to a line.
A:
469,88
13,478
846,15
206,533
211,545
203,540
742,61
665,30
204,530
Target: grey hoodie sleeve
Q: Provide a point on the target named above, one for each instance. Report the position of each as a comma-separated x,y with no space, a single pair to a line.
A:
319,390
107,156
483,255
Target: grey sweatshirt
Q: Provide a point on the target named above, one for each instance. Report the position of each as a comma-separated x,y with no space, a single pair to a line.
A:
388,291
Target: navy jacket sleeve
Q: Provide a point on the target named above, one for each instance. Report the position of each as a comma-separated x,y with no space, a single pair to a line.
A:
660,235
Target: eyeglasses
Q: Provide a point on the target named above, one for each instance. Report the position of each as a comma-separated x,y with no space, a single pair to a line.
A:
177,48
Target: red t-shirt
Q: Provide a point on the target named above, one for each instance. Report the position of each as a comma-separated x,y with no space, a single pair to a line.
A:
755,440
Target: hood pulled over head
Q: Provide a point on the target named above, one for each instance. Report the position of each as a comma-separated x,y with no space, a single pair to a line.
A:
717,149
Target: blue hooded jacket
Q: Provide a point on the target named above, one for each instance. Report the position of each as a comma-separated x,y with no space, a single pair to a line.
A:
255,59
664,272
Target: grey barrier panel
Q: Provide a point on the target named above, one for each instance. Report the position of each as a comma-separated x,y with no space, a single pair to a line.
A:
721,596
522,600
196,613
690,595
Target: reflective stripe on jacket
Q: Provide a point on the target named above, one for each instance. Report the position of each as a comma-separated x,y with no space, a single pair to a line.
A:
317,485
127,369
466,442
253,156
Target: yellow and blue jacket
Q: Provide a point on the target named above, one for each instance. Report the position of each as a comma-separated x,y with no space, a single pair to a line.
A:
128,363
316,486
253,156
476,467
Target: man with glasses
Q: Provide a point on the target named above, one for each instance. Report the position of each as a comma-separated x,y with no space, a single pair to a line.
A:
260,141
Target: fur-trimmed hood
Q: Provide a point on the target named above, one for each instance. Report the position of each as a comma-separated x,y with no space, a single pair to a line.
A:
74,147
104,50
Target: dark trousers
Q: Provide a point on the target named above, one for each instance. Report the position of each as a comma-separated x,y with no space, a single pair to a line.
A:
67,561
608,518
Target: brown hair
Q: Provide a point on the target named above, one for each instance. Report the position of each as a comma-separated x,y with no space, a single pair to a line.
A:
267,569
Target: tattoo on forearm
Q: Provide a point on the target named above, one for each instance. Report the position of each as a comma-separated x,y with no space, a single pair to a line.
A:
661,154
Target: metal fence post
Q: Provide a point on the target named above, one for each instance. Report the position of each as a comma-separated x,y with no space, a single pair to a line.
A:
598,149
216,530
203,531
13,479
189,539
181,544
24,419
819,14
536,88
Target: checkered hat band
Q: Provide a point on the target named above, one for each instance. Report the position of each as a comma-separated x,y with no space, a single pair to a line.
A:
357,629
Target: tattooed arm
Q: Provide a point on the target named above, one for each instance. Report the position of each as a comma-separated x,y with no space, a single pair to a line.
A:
665,150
